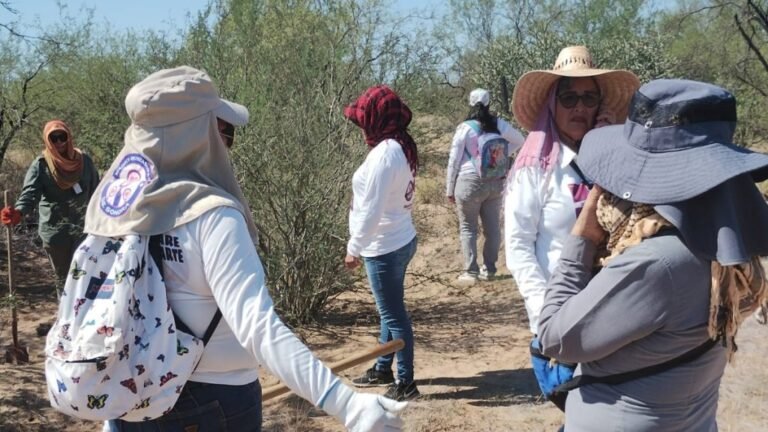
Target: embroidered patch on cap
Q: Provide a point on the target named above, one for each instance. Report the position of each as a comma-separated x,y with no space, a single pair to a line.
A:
129,178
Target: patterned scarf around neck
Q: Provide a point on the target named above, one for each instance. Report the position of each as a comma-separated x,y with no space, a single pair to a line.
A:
736,292
65,168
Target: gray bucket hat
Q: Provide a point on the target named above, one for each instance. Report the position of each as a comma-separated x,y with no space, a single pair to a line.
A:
676,143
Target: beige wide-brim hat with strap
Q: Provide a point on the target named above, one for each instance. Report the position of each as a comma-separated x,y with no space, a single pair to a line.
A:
532,89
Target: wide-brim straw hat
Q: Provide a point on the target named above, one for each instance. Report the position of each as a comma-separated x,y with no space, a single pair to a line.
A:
532,89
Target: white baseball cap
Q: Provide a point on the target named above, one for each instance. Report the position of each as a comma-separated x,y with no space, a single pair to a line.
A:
479,95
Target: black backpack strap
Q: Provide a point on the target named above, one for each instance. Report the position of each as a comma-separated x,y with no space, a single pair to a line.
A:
156,252
689,356
581,175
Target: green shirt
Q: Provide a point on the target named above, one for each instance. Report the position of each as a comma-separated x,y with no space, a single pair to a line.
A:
62,211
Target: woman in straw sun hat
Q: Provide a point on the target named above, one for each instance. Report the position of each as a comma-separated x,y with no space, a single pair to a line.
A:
547,190
684,226
472,189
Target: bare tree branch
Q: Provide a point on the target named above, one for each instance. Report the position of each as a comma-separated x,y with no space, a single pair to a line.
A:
704,9
751,44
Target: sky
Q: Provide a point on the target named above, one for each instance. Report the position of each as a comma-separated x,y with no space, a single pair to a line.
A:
159,15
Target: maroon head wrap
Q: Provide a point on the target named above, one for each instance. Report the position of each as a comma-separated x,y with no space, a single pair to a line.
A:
381,114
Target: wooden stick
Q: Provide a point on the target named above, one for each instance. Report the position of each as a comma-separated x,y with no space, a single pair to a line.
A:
388,348
9,242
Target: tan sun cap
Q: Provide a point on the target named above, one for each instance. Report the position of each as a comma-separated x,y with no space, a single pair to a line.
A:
532,89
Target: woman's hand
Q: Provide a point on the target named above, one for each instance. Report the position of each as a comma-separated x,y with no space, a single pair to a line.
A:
605,118
351,262
586,224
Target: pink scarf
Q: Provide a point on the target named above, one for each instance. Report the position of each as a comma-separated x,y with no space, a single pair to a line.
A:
542,146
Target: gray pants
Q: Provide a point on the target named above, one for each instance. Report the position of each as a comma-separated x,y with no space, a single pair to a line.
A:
476,197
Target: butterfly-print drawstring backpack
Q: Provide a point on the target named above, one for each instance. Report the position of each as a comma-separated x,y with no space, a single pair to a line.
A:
115,350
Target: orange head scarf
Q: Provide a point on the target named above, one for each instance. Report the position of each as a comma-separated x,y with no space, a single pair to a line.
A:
65,168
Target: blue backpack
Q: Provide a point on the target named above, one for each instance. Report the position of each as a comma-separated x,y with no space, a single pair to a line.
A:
492,158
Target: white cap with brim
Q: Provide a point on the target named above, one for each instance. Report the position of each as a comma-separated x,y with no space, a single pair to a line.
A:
173,166
479,95
231,112
177,95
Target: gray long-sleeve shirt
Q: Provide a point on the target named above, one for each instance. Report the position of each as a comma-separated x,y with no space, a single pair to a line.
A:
647,306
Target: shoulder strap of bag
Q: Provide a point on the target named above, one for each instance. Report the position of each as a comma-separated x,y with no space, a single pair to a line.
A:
689,356
475,126
155,250
579,173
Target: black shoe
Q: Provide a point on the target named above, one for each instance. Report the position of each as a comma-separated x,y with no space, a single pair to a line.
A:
374,377
402,392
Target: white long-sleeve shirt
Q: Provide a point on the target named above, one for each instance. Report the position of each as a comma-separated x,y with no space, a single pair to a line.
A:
211,261
383,188
458,161
539,212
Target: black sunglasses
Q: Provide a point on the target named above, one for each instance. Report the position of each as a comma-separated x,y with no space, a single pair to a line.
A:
570,99
58,137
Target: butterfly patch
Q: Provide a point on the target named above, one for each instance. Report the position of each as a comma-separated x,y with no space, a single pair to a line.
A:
93,258
130,384
181,350
135,311
148,382
78,304
166,378
97,402
123,353
77,272
170,329
158,322
105,330
101,365
62,386
143,404
76,380
60,351
64,332
106,378
161,357
111,247
140,369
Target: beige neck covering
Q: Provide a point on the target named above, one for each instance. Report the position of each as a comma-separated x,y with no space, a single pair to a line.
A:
66,168
737,290
165,177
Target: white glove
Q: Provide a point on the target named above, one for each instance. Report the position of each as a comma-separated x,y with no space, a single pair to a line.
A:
364,412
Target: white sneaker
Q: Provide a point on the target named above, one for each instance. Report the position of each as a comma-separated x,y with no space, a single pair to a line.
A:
485,275
467,277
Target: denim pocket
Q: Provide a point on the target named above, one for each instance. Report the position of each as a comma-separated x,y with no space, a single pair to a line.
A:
206,417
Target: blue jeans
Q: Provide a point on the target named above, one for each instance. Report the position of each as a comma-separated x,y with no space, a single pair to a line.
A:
386,274
206,408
